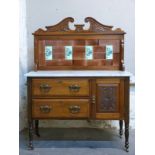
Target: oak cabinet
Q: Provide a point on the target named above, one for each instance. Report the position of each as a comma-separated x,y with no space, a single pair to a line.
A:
78,74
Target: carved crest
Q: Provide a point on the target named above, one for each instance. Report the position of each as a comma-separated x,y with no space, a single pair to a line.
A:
61,26
95,27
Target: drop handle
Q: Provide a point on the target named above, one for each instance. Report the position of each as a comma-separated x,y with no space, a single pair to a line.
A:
74,109
45,109
45,88
74,88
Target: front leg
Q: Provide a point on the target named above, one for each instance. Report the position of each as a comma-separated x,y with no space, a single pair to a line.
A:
30,145
37,128
127,109
127,136
120,128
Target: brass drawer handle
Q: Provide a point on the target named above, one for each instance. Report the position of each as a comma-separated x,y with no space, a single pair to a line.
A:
74,88
45,88
74,109
45,108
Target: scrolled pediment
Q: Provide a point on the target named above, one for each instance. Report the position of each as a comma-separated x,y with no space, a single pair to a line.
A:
95,27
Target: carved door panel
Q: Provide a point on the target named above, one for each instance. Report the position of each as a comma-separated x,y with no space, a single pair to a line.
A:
109,98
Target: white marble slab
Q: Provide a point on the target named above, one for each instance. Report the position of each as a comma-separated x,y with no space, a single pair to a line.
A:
83,73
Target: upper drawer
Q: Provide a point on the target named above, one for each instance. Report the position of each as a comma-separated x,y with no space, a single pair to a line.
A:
60,87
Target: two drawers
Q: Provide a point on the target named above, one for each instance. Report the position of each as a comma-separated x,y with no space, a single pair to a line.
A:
57,98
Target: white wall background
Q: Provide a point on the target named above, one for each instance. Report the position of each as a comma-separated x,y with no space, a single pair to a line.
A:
22,64
41,13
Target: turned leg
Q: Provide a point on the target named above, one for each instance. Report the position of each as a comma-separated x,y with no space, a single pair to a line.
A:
127,136
30,145
37,128
127,110
120,128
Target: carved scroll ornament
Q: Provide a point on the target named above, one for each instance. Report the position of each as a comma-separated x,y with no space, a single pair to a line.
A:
95,27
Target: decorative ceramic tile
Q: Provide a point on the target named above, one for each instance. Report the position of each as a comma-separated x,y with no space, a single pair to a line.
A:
48,53
68,52
88,52
109,52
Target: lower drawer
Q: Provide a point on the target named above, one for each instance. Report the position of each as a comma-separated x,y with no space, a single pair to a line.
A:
58,108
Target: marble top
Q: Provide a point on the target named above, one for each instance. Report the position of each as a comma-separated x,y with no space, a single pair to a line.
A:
83,73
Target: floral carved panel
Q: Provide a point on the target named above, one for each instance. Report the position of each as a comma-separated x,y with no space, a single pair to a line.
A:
107,97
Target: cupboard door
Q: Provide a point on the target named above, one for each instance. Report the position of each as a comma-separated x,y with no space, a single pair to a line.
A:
109,98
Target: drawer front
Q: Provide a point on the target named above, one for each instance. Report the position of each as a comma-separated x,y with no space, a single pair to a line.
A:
60,87
58,108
